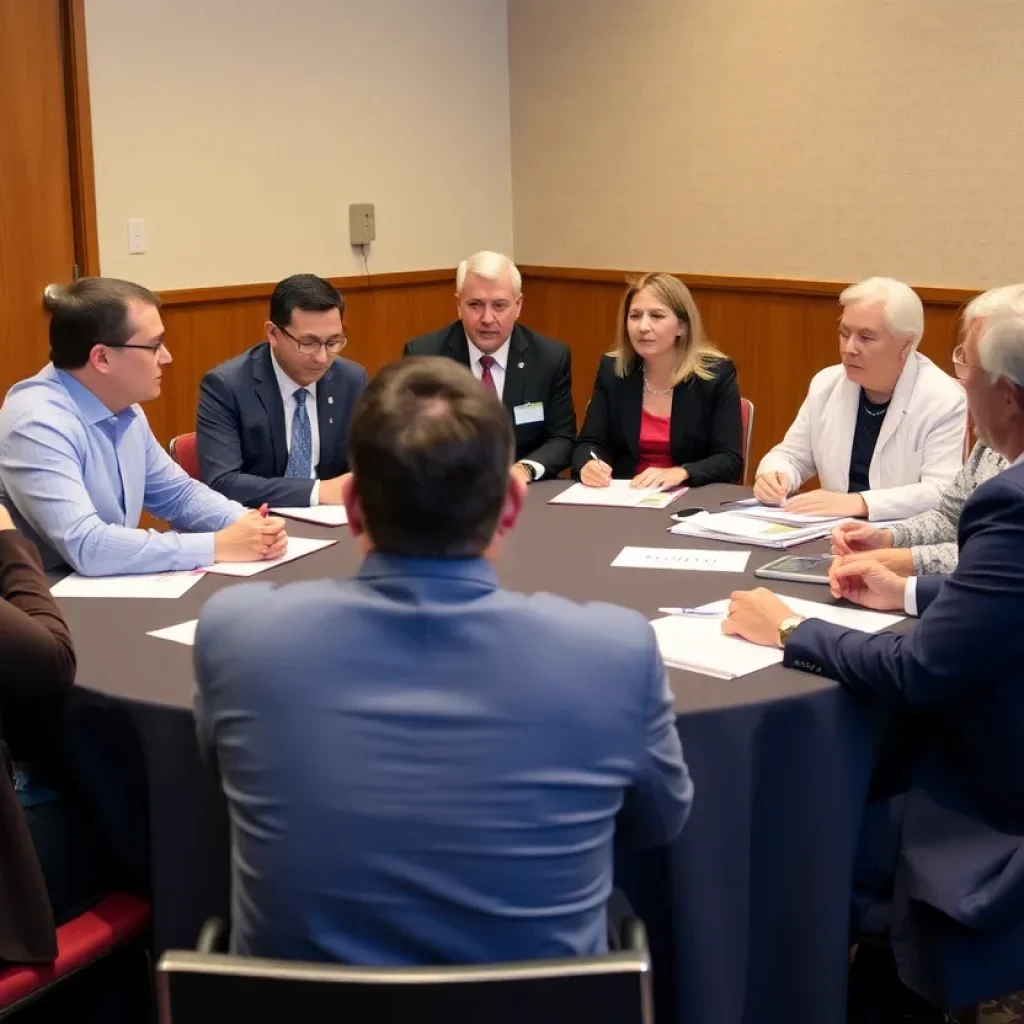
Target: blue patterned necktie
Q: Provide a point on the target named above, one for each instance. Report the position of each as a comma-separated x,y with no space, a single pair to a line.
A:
300,455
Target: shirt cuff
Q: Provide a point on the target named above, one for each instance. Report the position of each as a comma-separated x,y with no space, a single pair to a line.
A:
314,495
538,469
197,551
910,597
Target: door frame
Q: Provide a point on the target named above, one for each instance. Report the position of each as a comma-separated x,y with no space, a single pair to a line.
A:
79,120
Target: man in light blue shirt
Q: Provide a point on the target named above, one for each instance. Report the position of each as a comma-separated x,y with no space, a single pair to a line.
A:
79,463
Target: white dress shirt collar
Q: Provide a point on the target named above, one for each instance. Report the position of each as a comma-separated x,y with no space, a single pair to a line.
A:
500,356
286,385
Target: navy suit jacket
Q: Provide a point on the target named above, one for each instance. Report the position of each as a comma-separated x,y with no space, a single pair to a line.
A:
425,768
963,663
240,431
539,370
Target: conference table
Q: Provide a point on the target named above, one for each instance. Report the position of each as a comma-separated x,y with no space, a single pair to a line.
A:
747,911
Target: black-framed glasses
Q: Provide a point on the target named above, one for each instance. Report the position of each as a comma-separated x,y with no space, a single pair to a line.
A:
311,348
146,348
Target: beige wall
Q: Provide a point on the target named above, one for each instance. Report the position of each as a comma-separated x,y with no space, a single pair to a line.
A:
794,138
240,130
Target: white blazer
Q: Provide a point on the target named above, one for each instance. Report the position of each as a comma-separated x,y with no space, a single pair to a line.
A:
920,447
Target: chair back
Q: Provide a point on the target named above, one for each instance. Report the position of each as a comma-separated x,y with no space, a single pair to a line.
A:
747,420
201,988
183,451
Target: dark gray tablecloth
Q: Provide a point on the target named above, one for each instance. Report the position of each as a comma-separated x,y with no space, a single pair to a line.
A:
748,911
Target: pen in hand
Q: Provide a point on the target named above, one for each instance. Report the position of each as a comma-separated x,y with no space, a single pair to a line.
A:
264,510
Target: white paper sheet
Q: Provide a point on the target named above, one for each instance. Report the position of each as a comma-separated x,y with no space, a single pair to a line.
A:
618,494
322,515
183,633
160,584
699,645
682,558
297,547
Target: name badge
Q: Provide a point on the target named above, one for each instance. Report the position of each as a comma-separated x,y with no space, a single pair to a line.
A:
531,412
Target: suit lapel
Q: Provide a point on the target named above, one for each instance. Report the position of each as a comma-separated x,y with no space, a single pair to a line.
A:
516,370
455,345
840,414
632,405
269,395
327,416
900,400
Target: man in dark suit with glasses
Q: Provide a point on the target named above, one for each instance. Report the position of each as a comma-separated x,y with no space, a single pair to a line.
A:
273,422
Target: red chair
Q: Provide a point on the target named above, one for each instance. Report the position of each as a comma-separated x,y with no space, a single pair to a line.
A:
183,451
747,419
115,921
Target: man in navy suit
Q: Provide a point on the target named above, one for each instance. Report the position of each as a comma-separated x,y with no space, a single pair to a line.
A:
423,767
954,840
273,422
531,374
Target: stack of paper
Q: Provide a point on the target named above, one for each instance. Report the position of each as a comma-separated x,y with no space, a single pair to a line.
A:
738,528
618,494
698,644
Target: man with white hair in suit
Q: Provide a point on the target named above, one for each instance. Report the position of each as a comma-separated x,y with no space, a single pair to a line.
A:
883,430
530,374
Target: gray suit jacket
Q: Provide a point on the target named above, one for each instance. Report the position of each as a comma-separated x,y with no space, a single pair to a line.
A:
425,768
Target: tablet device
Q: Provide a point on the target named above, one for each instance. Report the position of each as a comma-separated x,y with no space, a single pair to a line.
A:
797,568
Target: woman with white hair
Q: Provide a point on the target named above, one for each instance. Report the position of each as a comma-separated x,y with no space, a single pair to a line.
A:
883,430
927,543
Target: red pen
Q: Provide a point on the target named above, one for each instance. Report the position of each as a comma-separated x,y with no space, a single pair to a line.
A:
264,509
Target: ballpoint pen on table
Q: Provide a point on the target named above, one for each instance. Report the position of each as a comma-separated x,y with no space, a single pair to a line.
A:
697,613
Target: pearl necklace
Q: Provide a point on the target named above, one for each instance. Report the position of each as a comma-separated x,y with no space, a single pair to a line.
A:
654,391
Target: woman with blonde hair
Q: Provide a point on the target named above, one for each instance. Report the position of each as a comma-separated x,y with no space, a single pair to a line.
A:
666,406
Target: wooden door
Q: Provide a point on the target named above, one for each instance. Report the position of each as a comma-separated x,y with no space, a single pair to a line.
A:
37,232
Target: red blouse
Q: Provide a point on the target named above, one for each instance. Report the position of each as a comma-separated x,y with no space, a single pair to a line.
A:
655,447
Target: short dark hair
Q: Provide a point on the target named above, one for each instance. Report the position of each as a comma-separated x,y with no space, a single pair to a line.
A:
431,450
307,292
88,312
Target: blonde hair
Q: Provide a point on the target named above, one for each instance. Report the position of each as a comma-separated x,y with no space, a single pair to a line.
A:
694,351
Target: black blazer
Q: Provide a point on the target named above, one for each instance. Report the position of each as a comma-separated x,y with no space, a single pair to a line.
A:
539,370
706,433
240,433
38,670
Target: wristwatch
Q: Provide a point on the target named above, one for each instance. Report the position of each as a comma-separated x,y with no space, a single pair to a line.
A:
786,627
530,471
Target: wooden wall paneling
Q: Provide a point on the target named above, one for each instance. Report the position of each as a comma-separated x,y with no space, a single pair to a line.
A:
779,333
206,326
36,223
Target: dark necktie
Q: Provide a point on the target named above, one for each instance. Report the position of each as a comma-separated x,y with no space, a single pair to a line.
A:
486,362
300,455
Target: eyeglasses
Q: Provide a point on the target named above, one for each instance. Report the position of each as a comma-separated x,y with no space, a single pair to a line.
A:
146,348
310,348
960,365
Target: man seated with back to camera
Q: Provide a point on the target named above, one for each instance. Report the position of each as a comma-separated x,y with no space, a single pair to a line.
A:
425,767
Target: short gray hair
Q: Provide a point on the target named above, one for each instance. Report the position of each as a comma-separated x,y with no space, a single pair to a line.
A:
901,305
490,265
1001,345
1009,298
